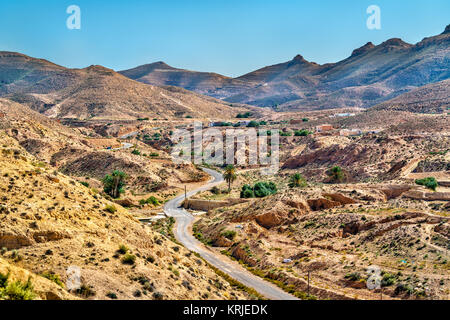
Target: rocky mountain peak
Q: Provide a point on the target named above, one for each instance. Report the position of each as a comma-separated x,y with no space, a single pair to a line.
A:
447,30
365,48
395,42
299,58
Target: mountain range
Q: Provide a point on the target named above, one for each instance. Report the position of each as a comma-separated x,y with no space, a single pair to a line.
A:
371,75
96,92
393,74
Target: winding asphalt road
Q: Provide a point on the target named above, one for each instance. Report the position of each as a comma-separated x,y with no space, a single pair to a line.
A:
183,234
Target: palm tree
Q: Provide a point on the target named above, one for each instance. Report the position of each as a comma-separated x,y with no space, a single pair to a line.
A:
230,175
114,183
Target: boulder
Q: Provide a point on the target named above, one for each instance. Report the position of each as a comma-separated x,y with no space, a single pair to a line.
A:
339,198
322,204
128,203
427,196
394,191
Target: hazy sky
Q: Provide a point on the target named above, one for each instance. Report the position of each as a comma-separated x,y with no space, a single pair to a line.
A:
231,37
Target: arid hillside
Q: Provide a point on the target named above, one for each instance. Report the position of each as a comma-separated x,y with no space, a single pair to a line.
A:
334,230
50,222
72,152
98,93
432,98
161,74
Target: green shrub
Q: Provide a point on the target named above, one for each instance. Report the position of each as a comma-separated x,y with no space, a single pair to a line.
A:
297,181
85,291
151,200
229,234
247,192
336,174
302,133
429,183
53,277
388,279
16,290
111,295
136,152
123,249
264,189
259,190
404,288
158,296
129,259
253,124
111,208
244,115
354,276
286,134
216,190
3,280
85,184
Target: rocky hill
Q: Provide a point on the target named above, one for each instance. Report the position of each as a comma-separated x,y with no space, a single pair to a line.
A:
161,74
69,151
97,93
50,222
432,98
371,75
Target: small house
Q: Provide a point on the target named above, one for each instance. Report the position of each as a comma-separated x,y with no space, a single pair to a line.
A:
324,127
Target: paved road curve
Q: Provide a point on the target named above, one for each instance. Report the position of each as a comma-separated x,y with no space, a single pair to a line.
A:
182,233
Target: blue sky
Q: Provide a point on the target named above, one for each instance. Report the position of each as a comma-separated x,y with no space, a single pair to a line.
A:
231,37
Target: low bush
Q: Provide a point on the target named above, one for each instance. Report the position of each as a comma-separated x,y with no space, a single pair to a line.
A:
429,183
111,208
151,200
244,115
259,190
53,277
111,295
85,291
129,259
354,276
229,234
302,133
388,279
297,181
336,174
123,249
15,290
